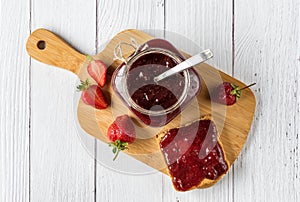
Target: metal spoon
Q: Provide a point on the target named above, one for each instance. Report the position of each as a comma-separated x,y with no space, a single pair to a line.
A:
194,60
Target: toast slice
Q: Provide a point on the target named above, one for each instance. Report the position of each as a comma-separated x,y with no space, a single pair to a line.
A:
194,156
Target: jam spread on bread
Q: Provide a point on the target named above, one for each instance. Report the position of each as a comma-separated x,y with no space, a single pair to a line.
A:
193,154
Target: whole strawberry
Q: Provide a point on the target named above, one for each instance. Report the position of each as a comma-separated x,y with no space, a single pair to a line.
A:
97,70
121,133
227,93
92,95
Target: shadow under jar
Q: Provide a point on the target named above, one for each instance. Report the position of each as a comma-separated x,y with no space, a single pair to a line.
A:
155,104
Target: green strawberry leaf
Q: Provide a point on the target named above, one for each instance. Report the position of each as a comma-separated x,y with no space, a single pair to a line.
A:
236,91
84,85
118,146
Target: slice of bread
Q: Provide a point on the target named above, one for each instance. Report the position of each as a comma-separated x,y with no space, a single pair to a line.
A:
205,182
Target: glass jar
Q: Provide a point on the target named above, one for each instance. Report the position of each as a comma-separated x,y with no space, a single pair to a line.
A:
155,104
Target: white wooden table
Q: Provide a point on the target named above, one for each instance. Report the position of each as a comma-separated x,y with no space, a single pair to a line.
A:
41,158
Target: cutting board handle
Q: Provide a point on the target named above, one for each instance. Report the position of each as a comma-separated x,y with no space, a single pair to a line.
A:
48,48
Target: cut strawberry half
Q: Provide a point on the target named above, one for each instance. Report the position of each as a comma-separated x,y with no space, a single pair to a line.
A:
92,95
97,70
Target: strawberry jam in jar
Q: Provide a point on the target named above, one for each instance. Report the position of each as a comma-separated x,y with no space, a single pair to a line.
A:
154,103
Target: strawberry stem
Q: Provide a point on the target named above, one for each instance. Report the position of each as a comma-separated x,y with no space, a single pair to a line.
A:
89,58
118,146
116,155
248,86
236,91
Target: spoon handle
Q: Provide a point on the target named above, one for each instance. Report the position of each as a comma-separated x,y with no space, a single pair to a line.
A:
194,60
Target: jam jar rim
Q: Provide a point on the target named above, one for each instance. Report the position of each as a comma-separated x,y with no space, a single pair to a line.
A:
181,99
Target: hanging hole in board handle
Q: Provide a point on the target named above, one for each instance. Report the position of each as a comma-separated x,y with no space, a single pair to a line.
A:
41,45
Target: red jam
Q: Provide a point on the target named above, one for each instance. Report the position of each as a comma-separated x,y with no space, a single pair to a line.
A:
192,154
151,96
148,94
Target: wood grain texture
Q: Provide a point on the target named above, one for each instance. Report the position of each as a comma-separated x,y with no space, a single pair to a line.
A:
141,14
209,25
61,169
233,122
14,102
47,48
267,50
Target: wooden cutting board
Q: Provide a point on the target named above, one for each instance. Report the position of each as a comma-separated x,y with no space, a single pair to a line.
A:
233,122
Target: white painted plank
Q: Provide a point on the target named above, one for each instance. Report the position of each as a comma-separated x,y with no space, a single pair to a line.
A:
267,50
209,25
113,17
61,169
14,101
